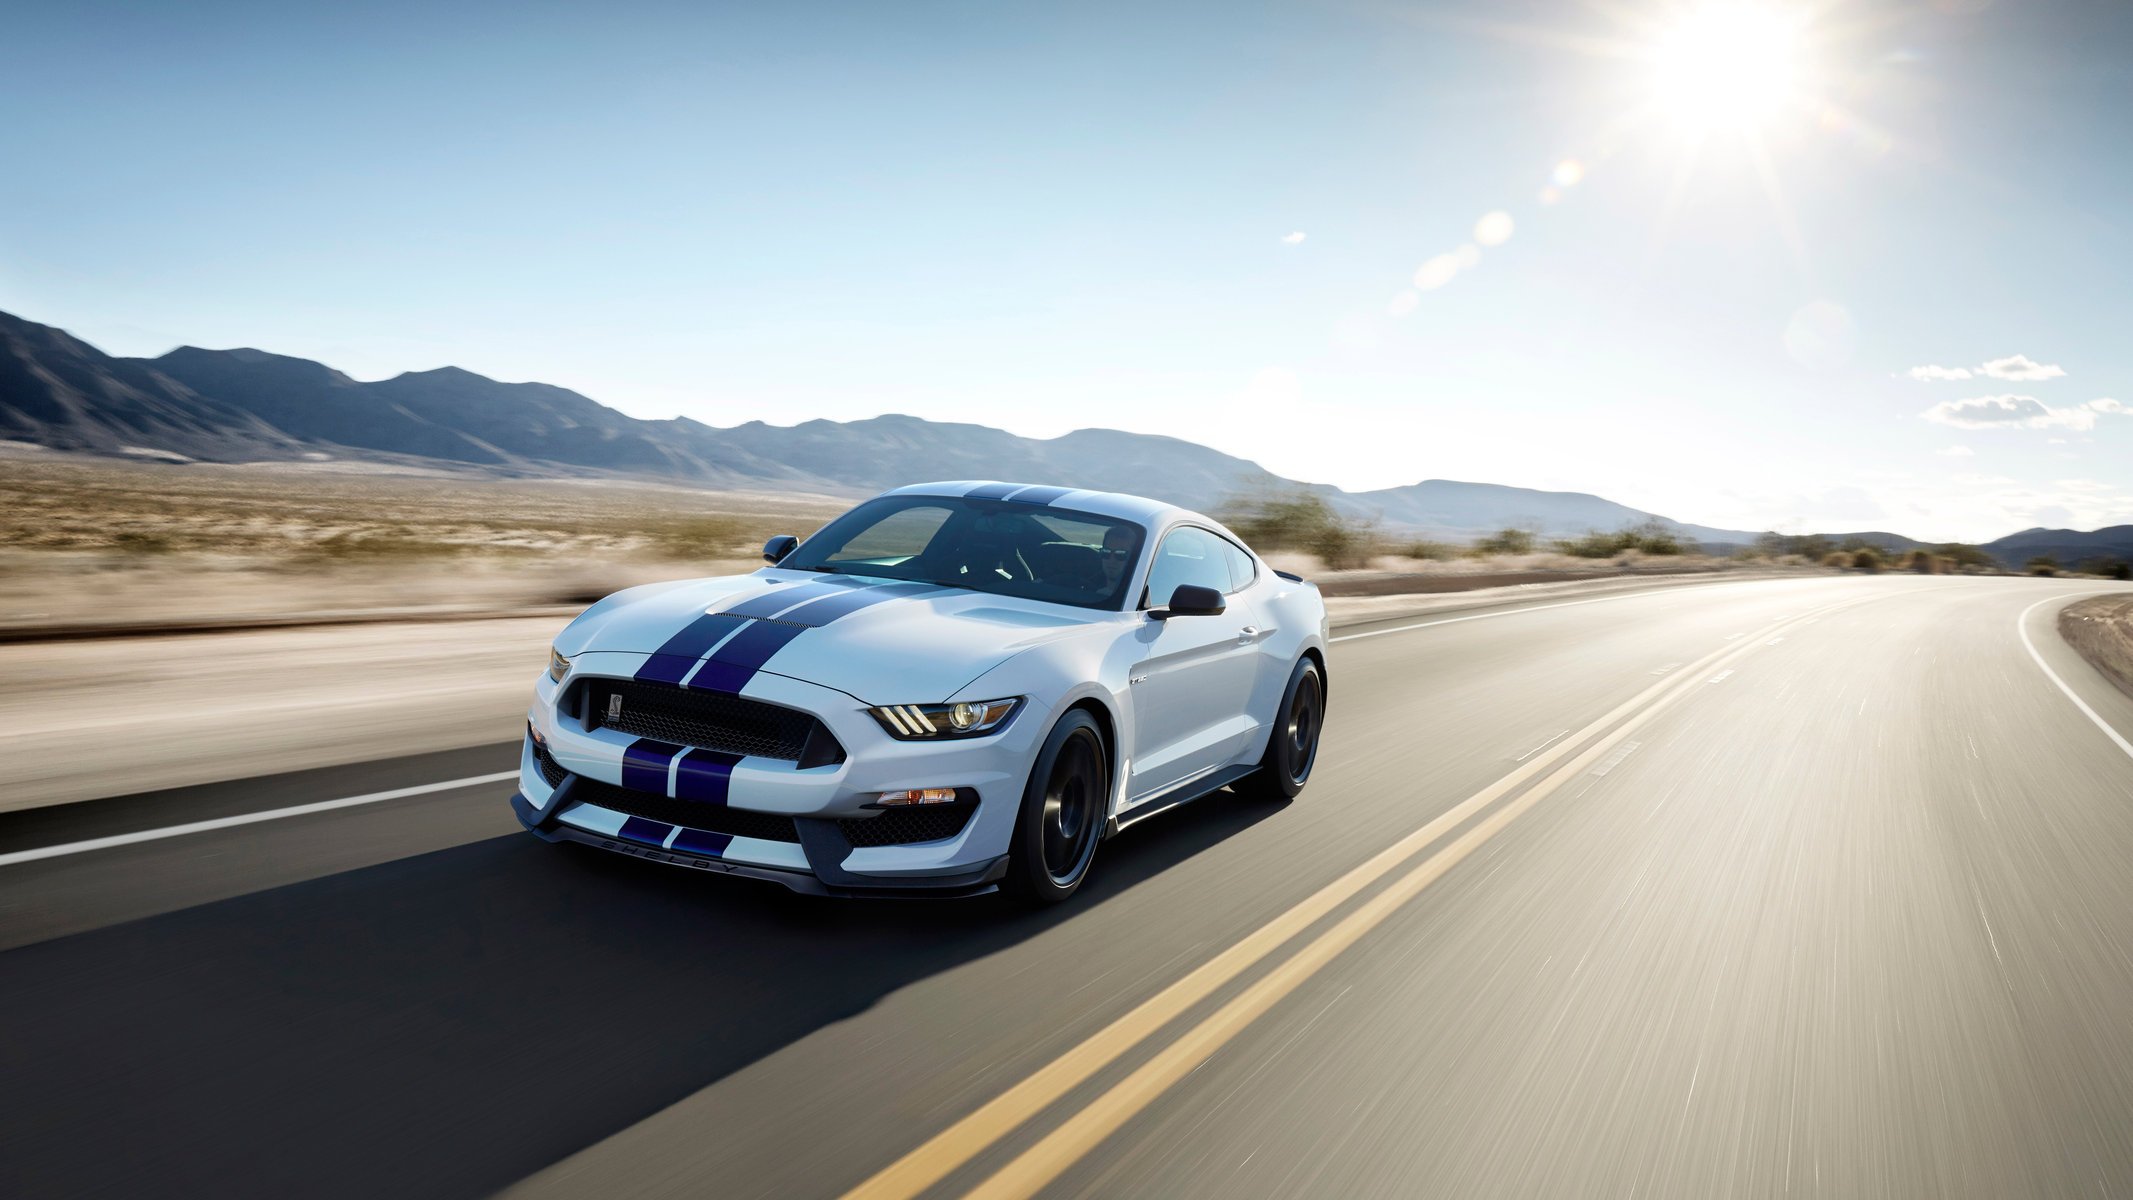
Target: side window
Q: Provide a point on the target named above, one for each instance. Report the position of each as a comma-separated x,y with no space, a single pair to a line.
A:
1187,556
1241,568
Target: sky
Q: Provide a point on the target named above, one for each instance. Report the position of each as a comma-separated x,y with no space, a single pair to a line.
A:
1747,264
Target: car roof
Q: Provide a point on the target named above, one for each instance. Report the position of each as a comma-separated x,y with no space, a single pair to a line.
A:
1150,513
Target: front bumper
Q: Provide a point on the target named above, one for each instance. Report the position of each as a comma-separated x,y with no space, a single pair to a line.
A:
813,853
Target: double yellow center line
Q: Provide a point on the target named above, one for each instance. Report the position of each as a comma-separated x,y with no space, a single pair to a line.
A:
1080,1132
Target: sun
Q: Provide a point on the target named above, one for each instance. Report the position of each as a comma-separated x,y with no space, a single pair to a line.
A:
1727,65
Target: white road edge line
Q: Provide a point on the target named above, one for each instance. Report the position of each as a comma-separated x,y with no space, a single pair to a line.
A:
2022,628
276,814
273,814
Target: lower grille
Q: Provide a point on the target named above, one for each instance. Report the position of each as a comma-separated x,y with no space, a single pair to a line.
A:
712,720
712,818
550,769
902,826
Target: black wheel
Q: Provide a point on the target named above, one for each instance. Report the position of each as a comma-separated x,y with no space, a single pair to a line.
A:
1063,810
1292,745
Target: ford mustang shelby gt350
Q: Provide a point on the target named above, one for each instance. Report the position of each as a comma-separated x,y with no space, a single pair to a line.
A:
953,686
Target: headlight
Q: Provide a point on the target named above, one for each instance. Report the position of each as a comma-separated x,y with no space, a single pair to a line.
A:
971,718
558,666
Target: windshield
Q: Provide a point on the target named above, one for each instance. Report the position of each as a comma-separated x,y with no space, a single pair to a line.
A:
1051,554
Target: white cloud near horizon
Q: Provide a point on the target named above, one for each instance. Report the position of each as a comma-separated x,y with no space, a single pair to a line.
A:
2015,368
1294,239
2020,368
2019,412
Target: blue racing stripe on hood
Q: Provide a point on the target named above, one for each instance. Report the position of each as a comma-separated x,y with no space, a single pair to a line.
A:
672,661
732,665
770,604
821,612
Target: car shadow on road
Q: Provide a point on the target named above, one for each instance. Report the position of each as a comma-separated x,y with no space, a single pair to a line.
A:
447,1024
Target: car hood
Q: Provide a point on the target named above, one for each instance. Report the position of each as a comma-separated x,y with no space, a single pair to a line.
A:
878,641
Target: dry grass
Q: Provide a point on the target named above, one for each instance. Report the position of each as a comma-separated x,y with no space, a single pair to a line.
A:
2101,628
89,540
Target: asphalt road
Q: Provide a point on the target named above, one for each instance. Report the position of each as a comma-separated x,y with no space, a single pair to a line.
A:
1810,887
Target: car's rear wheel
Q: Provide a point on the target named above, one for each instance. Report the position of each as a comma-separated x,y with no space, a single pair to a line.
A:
1063,811
1292,745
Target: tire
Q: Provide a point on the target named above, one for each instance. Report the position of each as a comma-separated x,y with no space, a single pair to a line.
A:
1064,806
1292,743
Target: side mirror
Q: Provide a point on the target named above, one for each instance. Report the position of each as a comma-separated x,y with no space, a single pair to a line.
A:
775,550
1191,600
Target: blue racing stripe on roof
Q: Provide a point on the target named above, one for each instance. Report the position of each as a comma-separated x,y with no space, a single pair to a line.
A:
644,765
699,841
731,667
993,491
1040,495
705,776
671,662
651,833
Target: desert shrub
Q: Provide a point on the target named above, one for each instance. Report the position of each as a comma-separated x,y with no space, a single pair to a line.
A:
1653,537
2043,564
1927,563
1866,558
1594,544
1506,541
1837,558
1963,554
1813,547
1433,551
1301,520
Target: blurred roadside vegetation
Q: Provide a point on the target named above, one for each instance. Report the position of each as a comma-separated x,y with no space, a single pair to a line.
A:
295,520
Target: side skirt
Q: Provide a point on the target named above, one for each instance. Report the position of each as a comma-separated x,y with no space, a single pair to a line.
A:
1184,793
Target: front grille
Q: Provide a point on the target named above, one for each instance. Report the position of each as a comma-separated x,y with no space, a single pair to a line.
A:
916,823
713,818
712,720
550,769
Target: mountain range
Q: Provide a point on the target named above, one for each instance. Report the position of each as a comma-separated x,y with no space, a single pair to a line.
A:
245,405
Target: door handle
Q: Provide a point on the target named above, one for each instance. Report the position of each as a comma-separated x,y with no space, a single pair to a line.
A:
1248,633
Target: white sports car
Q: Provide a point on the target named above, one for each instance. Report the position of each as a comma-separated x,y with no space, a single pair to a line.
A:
952,687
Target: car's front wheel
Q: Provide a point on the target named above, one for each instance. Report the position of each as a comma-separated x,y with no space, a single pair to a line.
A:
1063,810
1292,745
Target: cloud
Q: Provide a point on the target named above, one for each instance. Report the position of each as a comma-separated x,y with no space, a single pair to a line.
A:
2015,368
2020,368
1293,239
2019,412
1955,452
